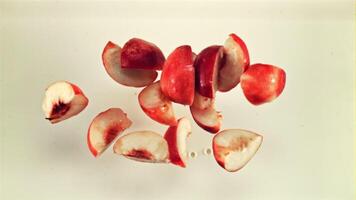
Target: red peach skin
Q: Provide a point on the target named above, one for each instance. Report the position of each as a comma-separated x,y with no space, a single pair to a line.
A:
262,83
140,54
207,64
177,79
176,137
128,77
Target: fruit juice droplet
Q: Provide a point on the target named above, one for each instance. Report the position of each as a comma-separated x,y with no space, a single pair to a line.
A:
193,154
207,151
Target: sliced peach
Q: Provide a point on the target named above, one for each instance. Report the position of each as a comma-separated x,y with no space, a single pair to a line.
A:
176,137
234,148
143,146
140,54
207,65
204,113
177,79
156,105
129,77
237,60
262,83
104,128
63,100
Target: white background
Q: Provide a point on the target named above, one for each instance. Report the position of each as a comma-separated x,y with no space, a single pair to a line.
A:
308,131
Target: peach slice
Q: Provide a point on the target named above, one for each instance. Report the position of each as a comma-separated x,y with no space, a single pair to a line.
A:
204,113
157,106
237,60
140,54
207,64
262,83
177,79
234,148
143,146
63,100
129,77
176,137
104,128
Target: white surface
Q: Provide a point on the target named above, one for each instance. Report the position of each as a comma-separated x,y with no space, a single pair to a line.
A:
308,132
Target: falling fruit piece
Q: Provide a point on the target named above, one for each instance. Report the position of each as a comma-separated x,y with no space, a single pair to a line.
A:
143,146
156,105
140,54
104,128
176,136
63,100
234,148
204,113
111,57
207,65
262,83
177,79
237,60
